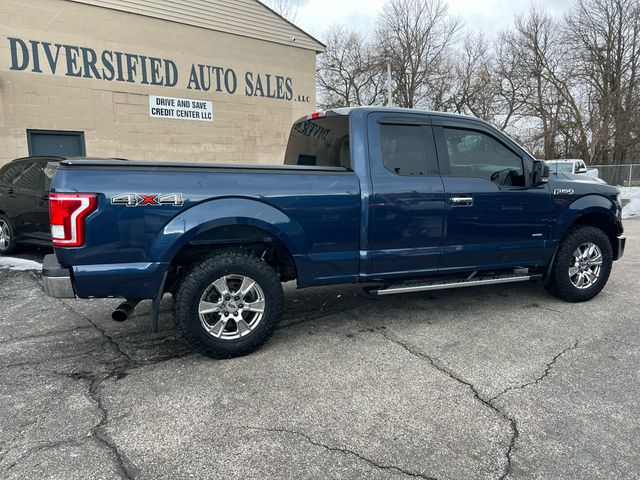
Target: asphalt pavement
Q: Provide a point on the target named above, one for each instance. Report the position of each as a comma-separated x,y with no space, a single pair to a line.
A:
490,382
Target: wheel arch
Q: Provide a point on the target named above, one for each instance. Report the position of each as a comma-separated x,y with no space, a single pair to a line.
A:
595,211
231,224
241,238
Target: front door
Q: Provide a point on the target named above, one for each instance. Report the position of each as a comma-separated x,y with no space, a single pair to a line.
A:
406,208
495,219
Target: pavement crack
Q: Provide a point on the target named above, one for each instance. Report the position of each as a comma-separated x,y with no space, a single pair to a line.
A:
108,338
95,380
537,305
324,314
513,424
545,374
18,436
37,336
48,360
40,447
97,431
344,451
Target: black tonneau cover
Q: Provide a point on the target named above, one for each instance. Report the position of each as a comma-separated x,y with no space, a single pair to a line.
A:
143,164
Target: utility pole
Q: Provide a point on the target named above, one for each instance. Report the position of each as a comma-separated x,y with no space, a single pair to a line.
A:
389,92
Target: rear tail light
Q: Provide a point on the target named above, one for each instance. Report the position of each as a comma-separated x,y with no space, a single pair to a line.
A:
68,212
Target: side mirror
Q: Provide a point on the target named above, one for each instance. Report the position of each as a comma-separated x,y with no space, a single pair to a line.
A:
540,173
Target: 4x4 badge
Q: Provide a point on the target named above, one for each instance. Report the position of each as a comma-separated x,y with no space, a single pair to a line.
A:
563,191
142,199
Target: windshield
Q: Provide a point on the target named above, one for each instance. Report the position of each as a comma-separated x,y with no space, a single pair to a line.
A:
322,142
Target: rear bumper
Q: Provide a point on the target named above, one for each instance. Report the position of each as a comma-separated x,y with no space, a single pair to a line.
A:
56,279
118,280
622,241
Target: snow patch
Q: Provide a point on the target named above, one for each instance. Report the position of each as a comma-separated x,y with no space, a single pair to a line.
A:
18,264
631,209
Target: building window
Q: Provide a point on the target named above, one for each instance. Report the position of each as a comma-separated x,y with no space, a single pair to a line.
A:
56,143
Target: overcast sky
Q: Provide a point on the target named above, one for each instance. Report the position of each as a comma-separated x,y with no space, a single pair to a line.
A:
489,16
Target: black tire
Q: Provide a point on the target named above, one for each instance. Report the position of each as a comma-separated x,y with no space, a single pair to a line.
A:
199,281
6,228
559,283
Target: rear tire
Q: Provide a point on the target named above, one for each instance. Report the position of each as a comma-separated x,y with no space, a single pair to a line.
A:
582,265
7,236
228,305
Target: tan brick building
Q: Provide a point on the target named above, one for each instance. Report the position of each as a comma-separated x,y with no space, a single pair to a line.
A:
192,80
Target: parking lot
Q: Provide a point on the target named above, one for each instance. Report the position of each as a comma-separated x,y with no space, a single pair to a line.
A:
491,382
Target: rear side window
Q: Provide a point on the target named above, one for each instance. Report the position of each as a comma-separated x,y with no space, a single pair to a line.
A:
11,172
475,154
322,142
30,178
403,149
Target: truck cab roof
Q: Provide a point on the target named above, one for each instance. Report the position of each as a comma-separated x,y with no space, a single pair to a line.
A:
374,109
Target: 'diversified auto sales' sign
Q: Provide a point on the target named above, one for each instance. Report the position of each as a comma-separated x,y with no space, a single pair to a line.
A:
180,108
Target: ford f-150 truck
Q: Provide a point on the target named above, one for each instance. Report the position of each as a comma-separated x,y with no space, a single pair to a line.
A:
397,200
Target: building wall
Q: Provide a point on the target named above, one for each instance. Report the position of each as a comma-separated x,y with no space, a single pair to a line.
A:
114,115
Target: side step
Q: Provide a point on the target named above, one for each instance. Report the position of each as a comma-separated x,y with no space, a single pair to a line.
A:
470,281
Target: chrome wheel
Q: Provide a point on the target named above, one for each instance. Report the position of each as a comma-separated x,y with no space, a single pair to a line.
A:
586,265
5,236
231,307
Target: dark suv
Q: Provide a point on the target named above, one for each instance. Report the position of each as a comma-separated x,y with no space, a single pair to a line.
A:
24,202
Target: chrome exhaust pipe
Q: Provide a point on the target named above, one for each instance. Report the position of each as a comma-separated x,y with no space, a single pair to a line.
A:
124,310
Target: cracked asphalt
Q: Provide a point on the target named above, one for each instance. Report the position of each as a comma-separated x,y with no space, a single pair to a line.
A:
487,383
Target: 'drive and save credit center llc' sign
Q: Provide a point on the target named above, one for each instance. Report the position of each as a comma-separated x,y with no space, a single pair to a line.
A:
180,108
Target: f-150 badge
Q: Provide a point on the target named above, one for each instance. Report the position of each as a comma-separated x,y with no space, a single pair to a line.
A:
143,200
563,191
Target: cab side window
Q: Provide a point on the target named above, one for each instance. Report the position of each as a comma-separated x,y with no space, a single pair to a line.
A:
475,154
403,149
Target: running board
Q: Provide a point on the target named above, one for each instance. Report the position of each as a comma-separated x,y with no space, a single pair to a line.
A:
471,281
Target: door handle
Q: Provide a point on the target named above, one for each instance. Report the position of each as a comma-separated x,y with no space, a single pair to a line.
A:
465,201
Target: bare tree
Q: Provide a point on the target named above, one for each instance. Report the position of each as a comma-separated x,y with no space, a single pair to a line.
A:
349,72
605,40
483,83
546,83
566,87
415,36
287,8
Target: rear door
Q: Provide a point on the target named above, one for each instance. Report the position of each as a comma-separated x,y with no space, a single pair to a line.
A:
26,196
406,209
10,201
494,217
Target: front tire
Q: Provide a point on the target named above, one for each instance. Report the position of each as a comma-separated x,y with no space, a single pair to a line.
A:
228,305
582,265
7,236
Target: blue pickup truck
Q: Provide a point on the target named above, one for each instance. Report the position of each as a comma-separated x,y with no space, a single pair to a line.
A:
397,200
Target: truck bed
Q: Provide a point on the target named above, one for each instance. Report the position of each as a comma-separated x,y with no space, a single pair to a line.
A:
315,211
